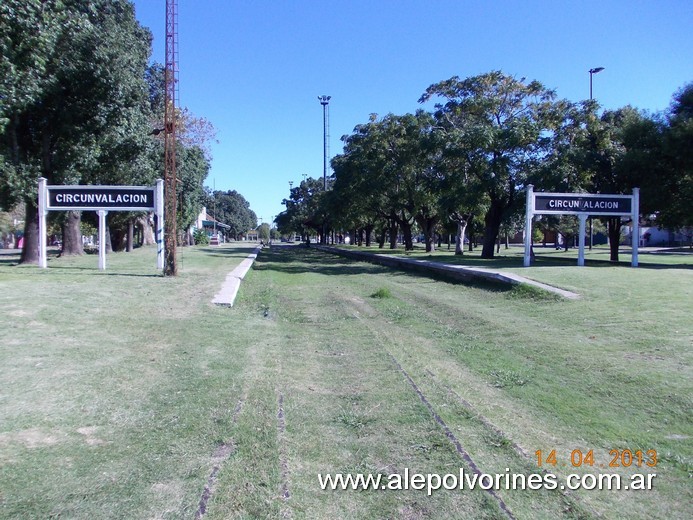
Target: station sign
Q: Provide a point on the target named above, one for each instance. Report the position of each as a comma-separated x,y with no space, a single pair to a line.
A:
583,205
101,199
114,198
577,203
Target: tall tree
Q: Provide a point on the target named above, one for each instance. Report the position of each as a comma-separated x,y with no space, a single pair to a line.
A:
676,193
612,145
388,163
502,124
86,74
231,208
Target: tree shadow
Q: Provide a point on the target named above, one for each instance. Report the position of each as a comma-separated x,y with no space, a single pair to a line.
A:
301,260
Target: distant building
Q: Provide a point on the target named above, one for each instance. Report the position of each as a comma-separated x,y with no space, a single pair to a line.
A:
211,226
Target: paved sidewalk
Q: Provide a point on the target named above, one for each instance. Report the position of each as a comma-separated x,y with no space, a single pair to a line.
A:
229,289
457,272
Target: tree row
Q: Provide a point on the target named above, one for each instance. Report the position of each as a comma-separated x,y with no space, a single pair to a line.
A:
470,159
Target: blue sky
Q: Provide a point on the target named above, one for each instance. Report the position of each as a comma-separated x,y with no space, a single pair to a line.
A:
255,69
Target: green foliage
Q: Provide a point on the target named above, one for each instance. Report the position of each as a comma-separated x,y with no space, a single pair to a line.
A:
231,208
200,237
263,232
497,127
192,171
306,208
381,293
491,135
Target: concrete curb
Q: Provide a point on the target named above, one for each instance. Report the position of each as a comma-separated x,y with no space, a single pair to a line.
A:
455,272
229,289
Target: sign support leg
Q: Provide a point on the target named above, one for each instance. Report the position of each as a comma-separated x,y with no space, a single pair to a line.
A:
159,230
636,226
581,240
42,190
528,225
102,239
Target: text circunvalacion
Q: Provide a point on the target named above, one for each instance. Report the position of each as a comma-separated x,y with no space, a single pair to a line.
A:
101,198
577,204
582,204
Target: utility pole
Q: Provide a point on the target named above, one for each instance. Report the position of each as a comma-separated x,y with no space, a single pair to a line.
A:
170,234
324,101
593,71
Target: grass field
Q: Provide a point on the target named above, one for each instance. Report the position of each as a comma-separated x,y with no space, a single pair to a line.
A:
127,395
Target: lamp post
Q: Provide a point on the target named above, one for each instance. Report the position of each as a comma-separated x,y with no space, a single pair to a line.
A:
324,101
593,71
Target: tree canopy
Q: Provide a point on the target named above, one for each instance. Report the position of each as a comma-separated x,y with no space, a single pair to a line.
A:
488,137
79,104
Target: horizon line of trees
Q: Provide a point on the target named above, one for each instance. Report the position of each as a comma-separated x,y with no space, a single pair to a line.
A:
468,161
81,104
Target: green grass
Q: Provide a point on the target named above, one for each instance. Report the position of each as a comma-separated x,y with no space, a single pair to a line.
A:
119,388
545,256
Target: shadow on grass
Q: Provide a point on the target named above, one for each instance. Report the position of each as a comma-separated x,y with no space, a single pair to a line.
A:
299,259
242,251
592,262
545,257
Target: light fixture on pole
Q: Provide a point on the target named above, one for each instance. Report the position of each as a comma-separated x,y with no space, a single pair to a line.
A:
595,70
324,101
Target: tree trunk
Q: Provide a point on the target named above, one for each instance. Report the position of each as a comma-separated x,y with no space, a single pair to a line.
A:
30,250
428,226
393,235
109,243
130,245
369,231
459,238
147,230
406,233
493,220
72,234
614,230
381,239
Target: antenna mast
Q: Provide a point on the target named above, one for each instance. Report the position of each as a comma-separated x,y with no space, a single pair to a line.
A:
170,78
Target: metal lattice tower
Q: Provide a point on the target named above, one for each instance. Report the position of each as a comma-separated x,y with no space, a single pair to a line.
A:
170,78
325,102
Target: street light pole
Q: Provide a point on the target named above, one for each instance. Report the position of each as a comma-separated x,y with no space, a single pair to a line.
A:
593,71
324,101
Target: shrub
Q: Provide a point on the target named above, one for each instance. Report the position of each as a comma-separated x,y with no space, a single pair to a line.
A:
200,237
383,292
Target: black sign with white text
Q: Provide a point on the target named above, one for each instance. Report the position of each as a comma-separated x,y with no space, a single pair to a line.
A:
593,205
123,198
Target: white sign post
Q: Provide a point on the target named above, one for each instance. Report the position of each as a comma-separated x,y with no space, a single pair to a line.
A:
583,205
102,239
101,199
43,211
159,229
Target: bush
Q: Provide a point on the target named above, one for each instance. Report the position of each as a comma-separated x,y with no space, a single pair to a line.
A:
383,292
200,237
